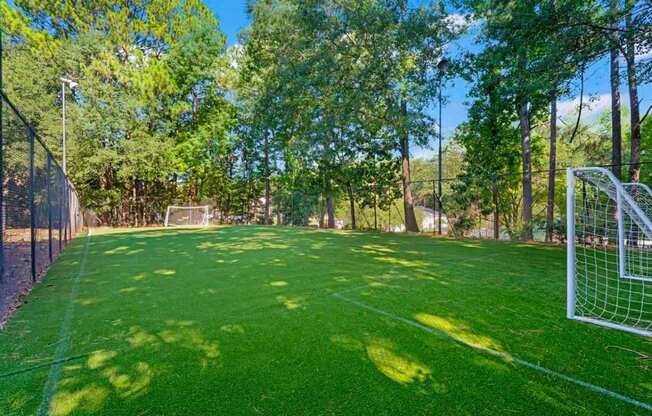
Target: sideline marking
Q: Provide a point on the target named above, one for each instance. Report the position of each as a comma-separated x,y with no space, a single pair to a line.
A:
64,338
504,355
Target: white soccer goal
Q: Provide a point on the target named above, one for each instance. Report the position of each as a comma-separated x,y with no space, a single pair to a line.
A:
609,269
177,216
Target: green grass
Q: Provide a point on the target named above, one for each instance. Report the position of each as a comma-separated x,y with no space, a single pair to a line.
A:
243,320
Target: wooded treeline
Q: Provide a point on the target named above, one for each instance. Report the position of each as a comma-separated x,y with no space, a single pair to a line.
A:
316,109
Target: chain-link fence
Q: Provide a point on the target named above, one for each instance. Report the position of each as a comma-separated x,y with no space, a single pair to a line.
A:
493,208
39,209
469,207
483,208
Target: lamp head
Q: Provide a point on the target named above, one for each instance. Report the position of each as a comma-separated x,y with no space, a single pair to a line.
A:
71,83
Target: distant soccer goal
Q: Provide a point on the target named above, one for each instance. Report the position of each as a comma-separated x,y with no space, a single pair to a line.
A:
609,269
177,216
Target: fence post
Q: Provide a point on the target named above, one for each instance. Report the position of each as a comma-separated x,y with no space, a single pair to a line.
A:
67,209
32,207
49,179
434,205
60,201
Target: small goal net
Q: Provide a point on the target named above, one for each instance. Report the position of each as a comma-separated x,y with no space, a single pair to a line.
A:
609,251
178,216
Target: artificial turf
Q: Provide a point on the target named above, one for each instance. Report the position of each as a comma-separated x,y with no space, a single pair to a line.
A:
279,321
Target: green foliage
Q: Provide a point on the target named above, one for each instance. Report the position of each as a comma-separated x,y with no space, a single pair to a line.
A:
325,79
150,122
308,103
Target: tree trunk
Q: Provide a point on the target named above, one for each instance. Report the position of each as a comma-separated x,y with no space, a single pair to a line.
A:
408,201
143,203
635,116
352,205
195,106
552,163
267,217
616,130
322,212
375,214
134,204
524,127
330,211
496,211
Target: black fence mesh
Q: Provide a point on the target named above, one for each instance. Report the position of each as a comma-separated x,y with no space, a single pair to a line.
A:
39,209
478,208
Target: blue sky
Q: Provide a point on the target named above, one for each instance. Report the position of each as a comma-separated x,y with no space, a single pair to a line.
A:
233,18
232,15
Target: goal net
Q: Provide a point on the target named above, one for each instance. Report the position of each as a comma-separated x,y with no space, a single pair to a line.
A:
609,251
177,216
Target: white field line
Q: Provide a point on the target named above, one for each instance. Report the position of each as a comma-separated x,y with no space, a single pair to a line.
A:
64,338
338,294
503,355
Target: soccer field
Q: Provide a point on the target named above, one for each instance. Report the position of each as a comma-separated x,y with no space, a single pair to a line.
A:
279,321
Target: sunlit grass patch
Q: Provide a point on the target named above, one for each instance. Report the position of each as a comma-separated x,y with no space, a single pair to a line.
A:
251,320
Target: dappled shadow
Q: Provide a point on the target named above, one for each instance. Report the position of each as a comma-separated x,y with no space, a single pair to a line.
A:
127,372
242,320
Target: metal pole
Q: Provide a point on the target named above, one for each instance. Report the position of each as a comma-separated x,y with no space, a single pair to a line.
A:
434,205
621,234
49,179
439,173
570,241
67,212
63,100
32,207
375,213
60,195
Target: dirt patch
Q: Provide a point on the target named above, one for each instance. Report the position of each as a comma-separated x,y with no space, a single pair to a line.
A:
16,280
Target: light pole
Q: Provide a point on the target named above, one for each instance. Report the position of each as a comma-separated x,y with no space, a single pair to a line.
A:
442,66
71,85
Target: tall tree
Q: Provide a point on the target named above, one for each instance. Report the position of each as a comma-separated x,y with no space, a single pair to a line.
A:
150,106
408,201
552,166
352,78
632,84
614,75
539,46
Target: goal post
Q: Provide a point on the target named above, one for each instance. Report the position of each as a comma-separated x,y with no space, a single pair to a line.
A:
609,252
186,216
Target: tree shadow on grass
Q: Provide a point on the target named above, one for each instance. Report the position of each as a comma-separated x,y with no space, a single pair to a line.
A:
154,304
122,377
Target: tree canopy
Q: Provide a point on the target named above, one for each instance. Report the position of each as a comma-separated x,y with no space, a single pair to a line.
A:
316,112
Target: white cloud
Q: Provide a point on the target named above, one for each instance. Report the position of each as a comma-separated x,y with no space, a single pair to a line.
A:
458,23
592,107
233,53
644,56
